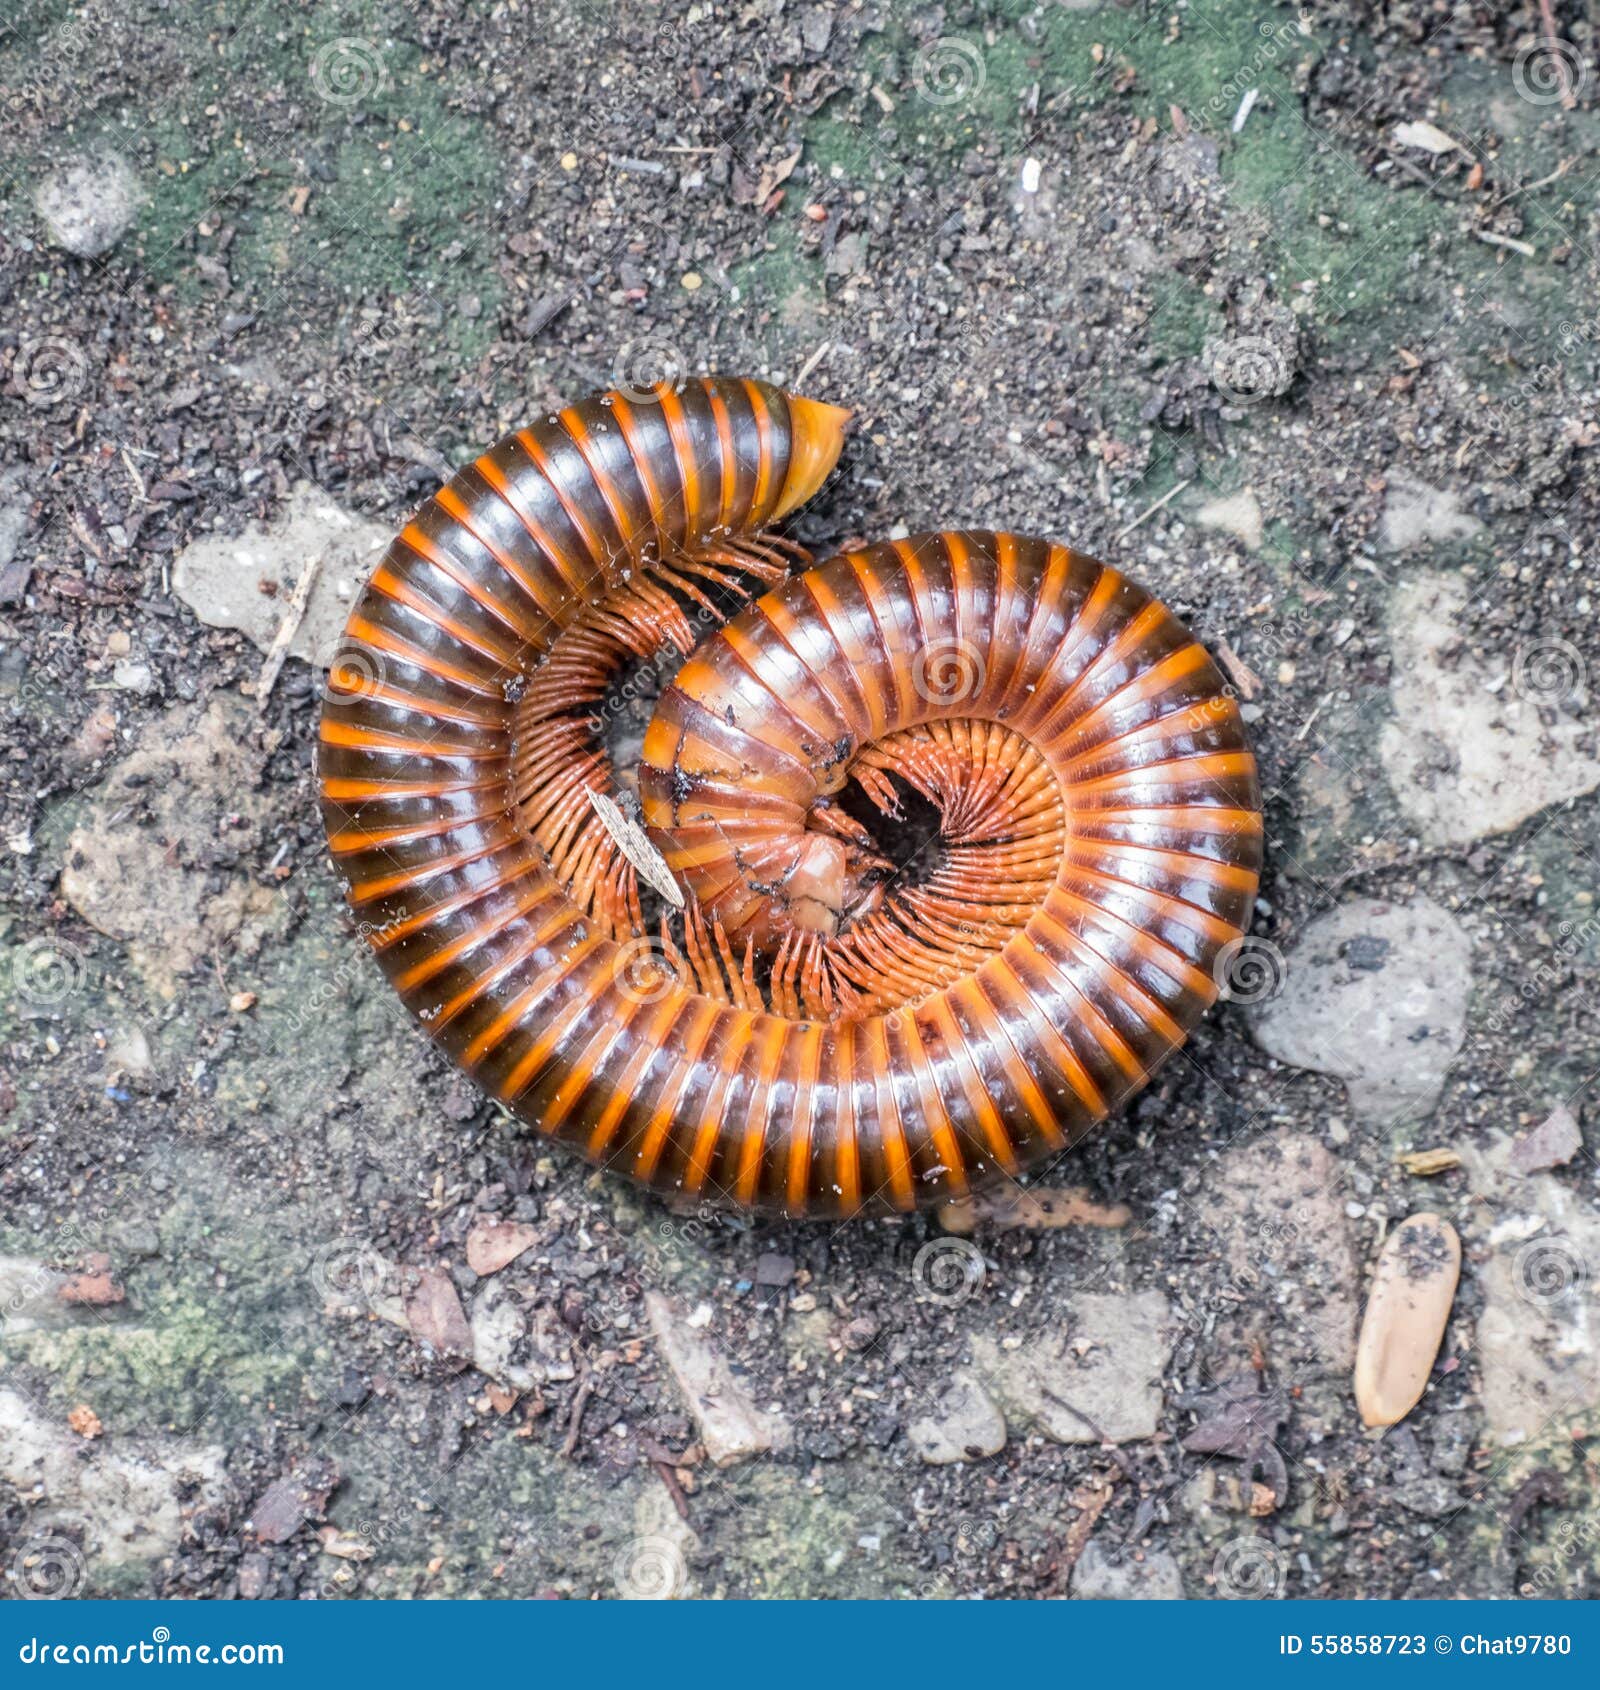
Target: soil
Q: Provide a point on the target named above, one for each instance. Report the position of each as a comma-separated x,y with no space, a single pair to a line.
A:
1071,280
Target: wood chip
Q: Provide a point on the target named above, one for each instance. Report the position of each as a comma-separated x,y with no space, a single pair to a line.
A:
1413,1287
635,845
1425,1162
492,1245
1042,1208
1428,136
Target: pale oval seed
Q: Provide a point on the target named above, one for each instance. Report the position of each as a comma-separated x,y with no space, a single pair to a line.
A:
1413,1287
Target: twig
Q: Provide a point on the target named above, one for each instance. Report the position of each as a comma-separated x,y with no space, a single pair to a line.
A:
811,363
1106,1443
575,1423
1544,181
1165,499
294,614
1492,239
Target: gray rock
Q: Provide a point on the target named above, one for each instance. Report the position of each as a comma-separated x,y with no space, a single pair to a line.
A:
246,582
1099,1578
962,1424
89,204
1097,1375
1534,1239
1472,750
1376,994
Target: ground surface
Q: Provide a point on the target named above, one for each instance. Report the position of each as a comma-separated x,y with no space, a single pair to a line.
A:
1328,384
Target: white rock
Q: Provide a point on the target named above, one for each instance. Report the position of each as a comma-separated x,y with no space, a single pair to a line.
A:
1376,994
1238,514
731,1427
129,1502
89,204
1464,760
962,1424
1417,515
1103,1364
1098,1578
221,579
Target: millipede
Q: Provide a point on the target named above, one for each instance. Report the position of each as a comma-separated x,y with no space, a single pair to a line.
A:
742,995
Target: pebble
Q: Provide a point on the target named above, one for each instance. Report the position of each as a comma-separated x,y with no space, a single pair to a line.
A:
1408,1308
1103,1364
1152,1577
1375,994
89,204
962,1424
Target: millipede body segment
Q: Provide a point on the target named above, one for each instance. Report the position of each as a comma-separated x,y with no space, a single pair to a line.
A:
829,1026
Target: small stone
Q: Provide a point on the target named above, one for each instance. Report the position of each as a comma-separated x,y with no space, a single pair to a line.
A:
287,1503
492,1245
692,281
1100,1576
1238,514
1551,1144
89,204
1097,1376
133,677
1417,515
1477,746
1375,994
118,644
774,1270
254,1570
963,1424
241,1001
222,579
1408,1309
569,161
730,1425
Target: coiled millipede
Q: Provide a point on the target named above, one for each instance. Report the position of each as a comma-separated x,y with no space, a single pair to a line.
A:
813,1032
